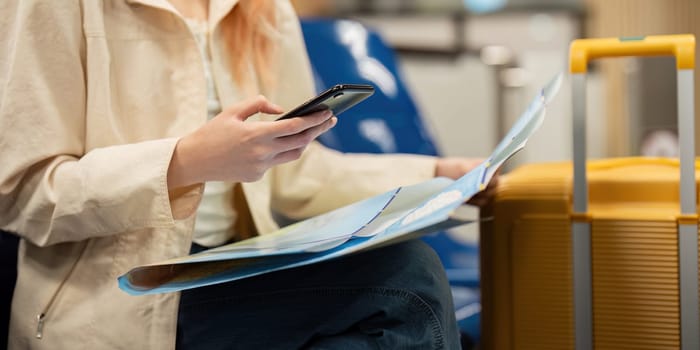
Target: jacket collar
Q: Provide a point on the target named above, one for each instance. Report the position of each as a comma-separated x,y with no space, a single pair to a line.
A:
161,4
218,9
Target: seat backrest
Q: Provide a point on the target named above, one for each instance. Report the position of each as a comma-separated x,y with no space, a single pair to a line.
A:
345,51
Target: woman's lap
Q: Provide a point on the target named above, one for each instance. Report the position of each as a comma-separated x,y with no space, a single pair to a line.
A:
391,297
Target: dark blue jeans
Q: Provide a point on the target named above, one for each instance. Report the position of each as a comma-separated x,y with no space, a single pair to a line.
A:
396,297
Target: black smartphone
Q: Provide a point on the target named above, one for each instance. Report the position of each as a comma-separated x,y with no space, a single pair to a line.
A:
338,99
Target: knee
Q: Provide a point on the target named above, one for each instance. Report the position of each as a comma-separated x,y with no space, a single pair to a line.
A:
415,266
423,275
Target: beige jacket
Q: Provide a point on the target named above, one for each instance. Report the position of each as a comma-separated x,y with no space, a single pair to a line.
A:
93,97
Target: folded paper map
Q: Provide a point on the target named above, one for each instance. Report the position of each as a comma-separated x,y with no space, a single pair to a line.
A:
394,216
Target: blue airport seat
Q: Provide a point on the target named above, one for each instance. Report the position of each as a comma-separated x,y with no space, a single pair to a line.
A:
345,51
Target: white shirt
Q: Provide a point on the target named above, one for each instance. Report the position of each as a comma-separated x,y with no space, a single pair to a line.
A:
215,215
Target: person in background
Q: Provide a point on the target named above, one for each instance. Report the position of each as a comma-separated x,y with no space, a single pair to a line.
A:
133,131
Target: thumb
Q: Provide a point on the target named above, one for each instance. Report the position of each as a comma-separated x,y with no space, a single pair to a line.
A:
252,106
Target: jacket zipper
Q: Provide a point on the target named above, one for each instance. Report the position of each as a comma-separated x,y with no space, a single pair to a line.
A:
40,318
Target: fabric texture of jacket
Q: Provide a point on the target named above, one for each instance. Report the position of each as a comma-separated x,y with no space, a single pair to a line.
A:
93,98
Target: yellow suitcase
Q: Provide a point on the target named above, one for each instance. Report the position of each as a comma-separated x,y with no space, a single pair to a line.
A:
602,254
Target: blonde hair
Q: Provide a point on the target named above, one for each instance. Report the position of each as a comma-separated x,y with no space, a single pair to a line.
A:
249,32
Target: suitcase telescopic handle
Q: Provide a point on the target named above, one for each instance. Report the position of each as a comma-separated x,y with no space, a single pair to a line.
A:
682,46
581,52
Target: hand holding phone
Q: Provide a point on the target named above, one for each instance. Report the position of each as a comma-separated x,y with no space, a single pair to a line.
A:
338,99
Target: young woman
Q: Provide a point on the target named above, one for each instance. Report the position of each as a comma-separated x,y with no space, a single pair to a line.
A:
114,114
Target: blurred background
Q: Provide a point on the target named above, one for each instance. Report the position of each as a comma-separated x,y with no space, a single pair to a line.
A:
472,65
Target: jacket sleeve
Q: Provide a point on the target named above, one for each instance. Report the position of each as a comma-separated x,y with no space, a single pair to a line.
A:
324,179
51,189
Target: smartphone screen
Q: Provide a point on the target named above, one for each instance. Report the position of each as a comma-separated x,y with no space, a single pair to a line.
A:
338,99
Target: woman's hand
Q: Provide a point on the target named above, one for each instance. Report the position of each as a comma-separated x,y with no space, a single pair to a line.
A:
227,149
454,168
